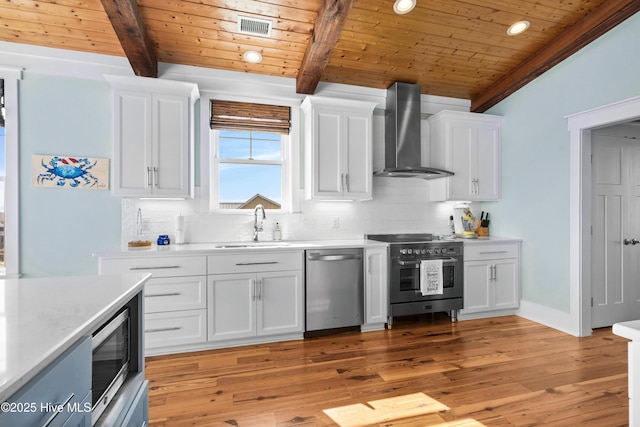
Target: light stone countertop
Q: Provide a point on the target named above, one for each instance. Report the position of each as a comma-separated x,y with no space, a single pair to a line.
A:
629,330
211,248
490,239
43,317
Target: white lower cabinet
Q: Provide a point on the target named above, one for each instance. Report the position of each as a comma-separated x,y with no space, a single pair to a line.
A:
175,299
255,304
491,278
258,295
376,288
255,295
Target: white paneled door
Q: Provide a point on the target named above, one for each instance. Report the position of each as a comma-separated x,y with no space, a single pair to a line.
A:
615,268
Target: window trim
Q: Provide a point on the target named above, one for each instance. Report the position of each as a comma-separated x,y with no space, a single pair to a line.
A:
207,145
11,77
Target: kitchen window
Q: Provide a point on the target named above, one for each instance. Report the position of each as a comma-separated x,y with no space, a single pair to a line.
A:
9,264
250,156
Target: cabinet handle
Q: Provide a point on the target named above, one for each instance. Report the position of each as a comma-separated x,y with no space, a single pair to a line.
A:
259,289
493,252
257,263
56,413
346,182
161,267
149,178
155,177
493,272
168,294
173,328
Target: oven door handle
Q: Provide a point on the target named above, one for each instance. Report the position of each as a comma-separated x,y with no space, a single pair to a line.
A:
416,263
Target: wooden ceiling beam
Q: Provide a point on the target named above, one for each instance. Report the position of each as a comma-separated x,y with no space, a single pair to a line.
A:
127,22
331,18
586,30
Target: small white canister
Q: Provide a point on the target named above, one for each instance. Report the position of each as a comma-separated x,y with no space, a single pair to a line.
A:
179,229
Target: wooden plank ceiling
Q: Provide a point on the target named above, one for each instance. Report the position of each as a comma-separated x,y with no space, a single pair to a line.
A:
456,48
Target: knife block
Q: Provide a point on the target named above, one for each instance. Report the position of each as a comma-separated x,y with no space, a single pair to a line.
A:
482,231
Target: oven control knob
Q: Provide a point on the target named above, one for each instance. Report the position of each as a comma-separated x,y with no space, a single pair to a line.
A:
409,251
437,250
422,251
429,251
403,251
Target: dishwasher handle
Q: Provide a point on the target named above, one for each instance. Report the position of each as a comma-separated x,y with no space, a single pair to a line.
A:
337,257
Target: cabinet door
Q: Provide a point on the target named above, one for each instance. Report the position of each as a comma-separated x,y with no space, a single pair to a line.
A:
81,416
231,308
171,134
280,306
462,152
138,413
327,151
486,169
505,284
338,136
376,286
357,156
132,162
477,291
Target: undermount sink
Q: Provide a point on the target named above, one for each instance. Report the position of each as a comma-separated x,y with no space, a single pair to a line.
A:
253,245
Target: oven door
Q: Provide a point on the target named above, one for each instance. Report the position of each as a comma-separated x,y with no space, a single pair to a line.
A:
405,280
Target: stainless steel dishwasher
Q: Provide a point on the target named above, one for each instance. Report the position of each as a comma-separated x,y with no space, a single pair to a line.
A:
334,288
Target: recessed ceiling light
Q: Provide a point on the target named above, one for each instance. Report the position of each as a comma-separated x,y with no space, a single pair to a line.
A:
518,28
252,56
403,6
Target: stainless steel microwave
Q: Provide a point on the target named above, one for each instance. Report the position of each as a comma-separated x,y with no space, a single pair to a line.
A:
111,361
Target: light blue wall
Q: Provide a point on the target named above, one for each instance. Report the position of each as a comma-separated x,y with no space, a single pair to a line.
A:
61,228
535,155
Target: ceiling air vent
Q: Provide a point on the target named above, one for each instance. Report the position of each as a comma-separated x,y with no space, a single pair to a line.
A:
254,26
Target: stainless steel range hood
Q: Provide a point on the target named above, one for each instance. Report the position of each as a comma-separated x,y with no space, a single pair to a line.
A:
402,149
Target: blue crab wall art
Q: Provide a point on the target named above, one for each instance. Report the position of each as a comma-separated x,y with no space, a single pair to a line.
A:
74,172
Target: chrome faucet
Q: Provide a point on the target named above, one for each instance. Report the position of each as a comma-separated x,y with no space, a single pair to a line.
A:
257,228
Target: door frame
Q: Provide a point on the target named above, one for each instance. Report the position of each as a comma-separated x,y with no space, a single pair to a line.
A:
580,125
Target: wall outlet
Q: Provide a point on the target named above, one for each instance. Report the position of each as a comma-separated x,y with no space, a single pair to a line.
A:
146,225
335,222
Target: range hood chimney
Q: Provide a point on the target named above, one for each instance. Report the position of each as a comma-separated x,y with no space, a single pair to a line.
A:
402,150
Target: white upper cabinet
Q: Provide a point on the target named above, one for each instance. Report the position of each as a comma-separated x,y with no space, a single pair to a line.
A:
338,144
153,129
467,144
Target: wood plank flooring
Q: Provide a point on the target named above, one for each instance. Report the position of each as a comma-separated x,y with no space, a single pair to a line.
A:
426,371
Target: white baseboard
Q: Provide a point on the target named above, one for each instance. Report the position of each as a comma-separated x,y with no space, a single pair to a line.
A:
547,316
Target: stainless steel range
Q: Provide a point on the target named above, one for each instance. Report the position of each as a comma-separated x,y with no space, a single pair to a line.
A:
406,252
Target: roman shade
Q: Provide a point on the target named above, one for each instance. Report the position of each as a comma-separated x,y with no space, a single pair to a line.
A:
245,116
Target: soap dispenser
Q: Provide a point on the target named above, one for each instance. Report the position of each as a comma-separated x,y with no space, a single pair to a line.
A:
277,233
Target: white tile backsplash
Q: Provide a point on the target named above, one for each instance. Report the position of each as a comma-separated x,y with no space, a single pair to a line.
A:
400,205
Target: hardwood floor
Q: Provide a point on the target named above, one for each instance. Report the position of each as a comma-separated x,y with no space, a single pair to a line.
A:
426,371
